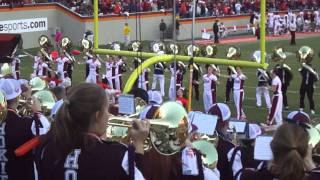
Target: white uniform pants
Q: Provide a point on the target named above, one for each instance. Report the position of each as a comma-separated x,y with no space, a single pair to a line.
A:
109,79
238,96
172,94
207,100
263,90
275,114
160,78
91,78
142,85
118,83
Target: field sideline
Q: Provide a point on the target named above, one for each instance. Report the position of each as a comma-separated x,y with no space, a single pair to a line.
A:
253,113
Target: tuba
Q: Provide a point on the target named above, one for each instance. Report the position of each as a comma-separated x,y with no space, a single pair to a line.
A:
66,45
86,47
278,55
305,56
135,46
3,107
169,128
156,47
192,50
173,48
233,53
45,44
209,51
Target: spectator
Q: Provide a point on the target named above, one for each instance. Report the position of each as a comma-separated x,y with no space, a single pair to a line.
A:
126,33
163,28
216,31
238,7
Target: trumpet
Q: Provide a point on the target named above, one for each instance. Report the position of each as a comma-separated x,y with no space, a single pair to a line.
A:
169,128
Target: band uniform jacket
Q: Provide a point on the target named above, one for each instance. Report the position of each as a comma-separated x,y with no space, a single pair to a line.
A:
284,74
15,131
102,160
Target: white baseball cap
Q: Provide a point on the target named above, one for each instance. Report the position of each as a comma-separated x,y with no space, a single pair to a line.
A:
221,110
11,88
155,96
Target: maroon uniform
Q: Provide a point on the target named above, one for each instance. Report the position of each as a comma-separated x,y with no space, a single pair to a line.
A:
15,131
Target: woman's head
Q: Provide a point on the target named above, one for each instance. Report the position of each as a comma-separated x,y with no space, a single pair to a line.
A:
289,147
84,111
180,92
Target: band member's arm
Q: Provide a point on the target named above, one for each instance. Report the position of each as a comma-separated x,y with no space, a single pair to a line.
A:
29,55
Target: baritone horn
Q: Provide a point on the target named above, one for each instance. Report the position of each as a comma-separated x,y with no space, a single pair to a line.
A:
169,127
45,43
66,45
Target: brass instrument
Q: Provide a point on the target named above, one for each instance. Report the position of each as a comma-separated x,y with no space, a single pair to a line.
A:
45,43
47,101
86,47
209,153
66,45
156,47
168,130
233,53
6,70
278,55
192,50
3,107
305,56
256,57
114,46
37,84
173,48
209,51
135,46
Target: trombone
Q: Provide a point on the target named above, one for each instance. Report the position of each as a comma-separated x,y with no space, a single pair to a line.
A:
169,128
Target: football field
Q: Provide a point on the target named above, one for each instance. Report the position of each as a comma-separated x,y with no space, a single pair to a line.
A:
247,48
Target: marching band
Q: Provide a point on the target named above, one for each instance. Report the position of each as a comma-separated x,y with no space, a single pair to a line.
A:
52,130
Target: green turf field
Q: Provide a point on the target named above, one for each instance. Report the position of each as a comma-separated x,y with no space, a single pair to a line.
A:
253,113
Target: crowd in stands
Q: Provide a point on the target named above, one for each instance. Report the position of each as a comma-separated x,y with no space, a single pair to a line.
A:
204,8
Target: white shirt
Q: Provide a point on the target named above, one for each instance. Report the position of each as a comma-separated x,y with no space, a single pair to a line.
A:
238,81
42,69
60,63
277,82
208,80
142,76
35,63
109,69
93,66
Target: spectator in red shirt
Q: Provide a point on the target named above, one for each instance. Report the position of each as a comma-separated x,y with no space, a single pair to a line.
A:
117,8
183,9
181,99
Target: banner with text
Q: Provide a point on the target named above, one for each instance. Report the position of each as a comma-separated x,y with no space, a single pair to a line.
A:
24,25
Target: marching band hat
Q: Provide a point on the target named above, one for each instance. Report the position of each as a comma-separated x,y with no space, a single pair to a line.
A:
141,93
11,88
252,131
221,110
299,116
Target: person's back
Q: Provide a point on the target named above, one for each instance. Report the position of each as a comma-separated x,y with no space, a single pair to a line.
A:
90,163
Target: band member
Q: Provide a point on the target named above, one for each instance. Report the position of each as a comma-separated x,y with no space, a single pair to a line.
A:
307,86
209,88
15,65
143,79
197,71
238,92
109,65
263,81
233,53
275,113
309,76
242,156
16,130
283,72
62,66
287,163
292,27
224,144
75,140
120,69
179,78
158,75
262,88
93,66
42,69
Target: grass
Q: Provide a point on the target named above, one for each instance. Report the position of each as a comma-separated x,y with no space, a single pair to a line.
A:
253,114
